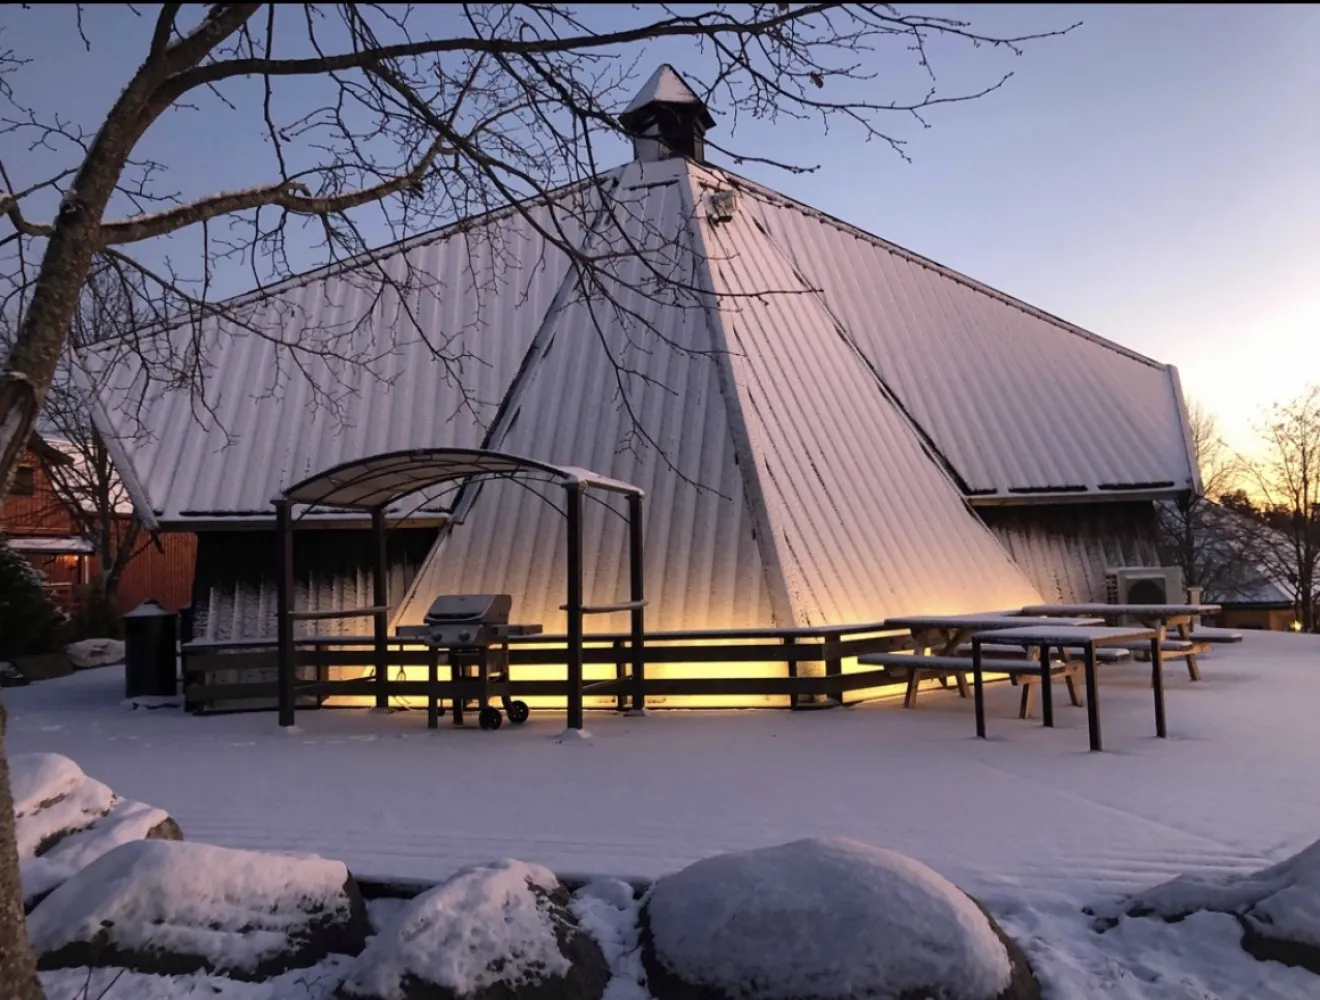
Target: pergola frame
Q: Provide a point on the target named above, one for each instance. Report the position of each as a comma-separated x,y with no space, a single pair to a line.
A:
371,485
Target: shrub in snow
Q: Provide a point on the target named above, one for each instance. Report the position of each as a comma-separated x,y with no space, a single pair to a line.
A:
493,932
64,820
95,653
30,623
824,919
172,908
1278,907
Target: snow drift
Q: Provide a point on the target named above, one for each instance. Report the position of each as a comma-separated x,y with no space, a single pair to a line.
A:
1278,907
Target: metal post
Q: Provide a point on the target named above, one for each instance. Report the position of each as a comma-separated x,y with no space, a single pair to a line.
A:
1046,687
380,619
284,609
978,686
1092,698
1157,680
636,594
573,503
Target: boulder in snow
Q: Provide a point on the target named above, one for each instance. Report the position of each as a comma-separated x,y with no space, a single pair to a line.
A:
824,919
172,908
94,653
52,799
492,932
65,820
1278,907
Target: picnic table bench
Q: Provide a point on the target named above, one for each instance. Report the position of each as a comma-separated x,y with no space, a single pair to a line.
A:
1090,639
1160,617
937,639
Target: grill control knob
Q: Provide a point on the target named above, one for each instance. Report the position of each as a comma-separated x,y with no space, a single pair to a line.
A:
464,636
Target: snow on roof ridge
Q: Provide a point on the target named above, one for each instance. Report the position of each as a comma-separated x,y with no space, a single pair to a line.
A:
769,193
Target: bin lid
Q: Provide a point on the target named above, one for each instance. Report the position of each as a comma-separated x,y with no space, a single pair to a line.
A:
147,609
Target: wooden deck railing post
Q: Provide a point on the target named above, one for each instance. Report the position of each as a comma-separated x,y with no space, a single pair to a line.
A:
284,612
573,502
790,642
380,621
636,594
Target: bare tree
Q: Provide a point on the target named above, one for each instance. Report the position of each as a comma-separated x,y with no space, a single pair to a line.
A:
396,119
86,489
1198,536
405,118
18,969
1287,479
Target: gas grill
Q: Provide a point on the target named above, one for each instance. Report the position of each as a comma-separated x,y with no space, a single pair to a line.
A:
472,630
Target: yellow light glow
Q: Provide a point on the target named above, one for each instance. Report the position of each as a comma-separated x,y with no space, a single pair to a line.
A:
1296,626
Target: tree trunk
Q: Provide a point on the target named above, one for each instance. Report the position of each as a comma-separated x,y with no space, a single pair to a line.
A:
18,966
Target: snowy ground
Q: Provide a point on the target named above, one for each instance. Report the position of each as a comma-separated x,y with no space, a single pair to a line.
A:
1029,821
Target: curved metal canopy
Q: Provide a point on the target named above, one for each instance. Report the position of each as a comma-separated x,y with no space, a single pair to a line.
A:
378,481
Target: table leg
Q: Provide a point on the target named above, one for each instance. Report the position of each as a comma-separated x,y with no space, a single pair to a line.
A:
1092,697
1046,690
432,682
1157,681
978,688
1193,668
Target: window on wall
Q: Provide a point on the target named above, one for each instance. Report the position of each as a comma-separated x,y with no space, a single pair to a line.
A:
25,484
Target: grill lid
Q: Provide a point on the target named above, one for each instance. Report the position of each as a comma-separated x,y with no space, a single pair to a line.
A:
490,609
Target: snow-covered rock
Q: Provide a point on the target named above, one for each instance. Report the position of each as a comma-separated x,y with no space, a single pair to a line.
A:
126,822
502,930
94,653
1278,907
170,907
65,820
823,919
52,799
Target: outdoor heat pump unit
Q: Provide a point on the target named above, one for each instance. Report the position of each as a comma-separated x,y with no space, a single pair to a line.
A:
1144,585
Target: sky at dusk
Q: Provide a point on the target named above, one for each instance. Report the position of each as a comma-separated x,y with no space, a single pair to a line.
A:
1150,176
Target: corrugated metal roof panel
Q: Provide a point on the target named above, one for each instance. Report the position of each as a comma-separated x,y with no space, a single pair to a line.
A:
704,568
1065,549
1014,399
866,525
475,295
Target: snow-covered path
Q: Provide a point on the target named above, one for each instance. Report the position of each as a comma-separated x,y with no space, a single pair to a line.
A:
1030,821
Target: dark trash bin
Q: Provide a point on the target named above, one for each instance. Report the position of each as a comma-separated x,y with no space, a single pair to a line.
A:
149,652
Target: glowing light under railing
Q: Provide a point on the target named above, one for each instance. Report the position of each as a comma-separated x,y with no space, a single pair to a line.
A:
1296,626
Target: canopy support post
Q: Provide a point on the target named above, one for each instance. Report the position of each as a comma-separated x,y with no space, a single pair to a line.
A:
284,610
573,503
636,595
380,629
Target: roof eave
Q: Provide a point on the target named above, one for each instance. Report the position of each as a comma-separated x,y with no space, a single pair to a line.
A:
1074,497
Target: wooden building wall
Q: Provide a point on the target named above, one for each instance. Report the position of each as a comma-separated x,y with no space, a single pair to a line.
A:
164,575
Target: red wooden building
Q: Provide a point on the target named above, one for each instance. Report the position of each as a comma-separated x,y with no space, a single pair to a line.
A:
38,524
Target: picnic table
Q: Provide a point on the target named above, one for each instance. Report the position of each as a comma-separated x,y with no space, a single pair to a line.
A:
942,635
1089,638
1160,617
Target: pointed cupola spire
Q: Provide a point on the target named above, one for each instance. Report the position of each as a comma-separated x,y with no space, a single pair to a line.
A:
667,118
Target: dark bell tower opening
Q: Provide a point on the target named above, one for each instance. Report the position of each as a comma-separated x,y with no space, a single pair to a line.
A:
667,119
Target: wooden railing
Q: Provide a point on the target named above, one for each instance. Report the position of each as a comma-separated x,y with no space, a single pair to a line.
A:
707,652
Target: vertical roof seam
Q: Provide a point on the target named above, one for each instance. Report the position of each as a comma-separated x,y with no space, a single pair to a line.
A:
781,603
818,294
507,412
